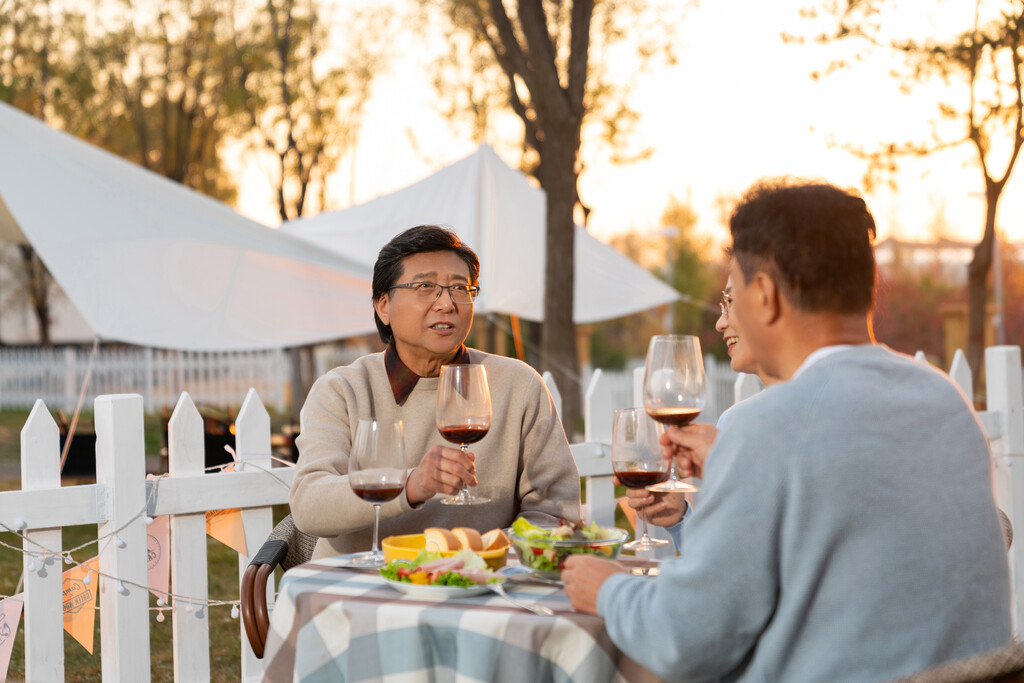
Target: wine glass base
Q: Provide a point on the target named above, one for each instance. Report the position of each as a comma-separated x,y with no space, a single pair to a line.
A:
673,486
647,543
364,560
465,500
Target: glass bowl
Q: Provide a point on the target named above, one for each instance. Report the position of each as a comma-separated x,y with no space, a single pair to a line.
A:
546,556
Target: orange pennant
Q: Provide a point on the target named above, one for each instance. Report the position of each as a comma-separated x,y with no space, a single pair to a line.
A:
158,547
10,617
80,601
226,525
630,512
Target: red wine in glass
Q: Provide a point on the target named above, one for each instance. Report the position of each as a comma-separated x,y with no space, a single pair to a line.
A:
463,414
674,389
377,493
464,434
674,417
640,479
637,462
376,473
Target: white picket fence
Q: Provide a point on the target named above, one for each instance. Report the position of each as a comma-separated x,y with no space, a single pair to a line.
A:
122,497
118,504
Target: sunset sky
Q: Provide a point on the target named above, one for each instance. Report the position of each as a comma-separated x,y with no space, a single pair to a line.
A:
739,105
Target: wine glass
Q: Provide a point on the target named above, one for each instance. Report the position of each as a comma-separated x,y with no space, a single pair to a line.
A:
463,414
376,473
637,461
674,390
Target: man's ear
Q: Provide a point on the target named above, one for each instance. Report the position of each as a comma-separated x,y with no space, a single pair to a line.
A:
382,306
767,297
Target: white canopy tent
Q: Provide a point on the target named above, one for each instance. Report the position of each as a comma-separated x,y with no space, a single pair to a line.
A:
147,261
498,213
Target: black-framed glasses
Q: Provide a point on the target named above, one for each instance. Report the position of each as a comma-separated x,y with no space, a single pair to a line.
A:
429,292
726,303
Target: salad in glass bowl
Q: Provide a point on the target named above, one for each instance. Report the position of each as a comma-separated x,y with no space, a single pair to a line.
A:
544,549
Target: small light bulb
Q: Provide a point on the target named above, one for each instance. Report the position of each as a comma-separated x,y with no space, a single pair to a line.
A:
160,616
119,542
20,524
160,602
234,611
121,588
68,559
87,580
188,608
32,566
149,520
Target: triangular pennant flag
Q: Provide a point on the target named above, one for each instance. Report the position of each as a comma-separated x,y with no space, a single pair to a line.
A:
630,512
80,601
10,617
158,547
226,525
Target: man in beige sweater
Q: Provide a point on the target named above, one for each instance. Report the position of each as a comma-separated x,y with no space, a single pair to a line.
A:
424,283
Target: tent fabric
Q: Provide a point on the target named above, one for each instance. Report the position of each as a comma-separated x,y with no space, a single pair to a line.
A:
148,261
498,213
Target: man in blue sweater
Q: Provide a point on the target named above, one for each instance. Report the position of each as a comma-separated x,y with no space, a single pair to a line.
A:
847,529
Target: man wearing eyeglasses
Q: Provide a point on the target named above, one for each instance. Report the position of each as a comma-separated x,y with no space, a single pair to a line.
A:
847,529
424,285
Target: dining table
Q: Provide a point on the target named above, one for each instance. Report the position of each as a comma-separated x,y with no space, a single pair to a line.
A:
335,623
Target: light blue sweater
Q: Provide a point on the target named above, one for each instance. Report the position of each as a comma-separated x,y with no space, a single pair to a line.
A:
847,532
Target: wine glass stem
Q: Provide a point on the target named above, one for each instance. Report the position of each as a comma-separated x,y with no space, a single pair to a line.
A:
465,488
643,518
376,523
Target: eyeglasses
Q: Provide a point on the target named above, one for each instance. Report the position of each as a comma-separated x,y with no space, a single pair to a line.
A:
726,304
429,292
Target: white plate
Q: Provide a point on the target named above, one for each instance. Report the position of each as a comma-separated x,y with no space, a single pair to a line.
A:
427,591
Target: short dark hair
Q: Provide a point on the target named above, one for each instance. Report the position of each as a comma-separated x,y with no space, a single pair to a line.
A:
417,240
813,238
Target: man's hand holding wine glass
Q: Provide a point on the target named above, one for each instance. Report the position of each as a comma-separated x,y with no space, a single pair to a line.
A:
689,447
443,470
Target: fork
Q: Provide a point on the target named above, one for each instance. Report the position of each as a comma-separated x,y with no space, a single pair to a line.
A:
534,607
498,588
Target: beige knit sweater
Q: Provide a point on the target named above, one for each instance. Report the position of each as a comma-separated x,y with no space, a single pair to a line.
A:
523,464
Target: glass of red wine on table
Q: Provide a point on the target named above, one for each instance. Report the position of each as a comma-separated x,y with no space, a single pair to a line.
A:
463,414
637,461
674,390
376,473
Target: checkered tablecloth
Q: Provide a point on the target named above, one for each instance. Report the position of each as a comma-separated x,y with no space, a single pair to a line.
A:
336,624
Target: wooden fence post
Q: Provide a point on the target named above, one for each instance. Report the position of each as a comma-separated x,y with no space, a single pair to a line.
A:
44,617
186,457
121,468
252,445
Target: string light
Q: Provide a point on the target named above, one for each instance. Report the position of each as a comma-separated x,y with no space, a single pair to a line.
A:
49,556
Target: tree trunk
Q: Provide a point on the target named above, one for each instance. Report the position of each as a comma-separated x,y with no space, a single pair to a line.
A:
557,174
38,289
977,287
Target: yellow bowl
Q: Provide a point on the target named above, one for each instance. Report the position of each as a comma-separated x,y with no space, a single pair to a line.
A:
407,547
